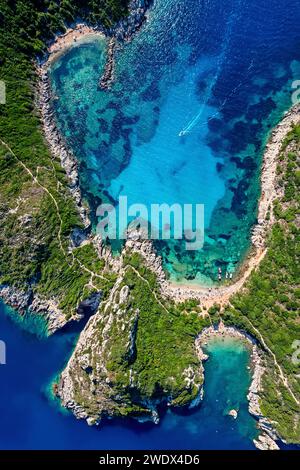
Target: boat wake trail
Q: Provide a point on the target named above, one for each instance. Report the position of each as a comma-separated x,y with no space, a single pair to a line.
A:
233,18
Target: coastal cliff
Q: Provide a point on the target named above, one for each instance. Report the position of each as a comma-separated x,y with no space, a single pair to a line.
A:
268,305
268,437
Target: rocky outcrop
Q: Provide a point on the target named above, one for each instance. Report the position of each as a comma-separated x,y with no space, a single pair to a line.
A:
108,75
30,302
233,414
122,32
91,385
16,298
90,305
265,442
126,28
268,437
137,242
270,189
256,384
106,374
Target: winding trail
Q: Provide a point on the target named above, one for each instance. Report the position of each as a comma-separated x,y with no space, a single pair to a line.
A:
148,284
46,190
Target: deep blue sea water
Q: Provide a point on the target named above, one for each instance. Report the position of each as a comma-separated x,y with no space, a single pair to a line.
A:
219,71
30,419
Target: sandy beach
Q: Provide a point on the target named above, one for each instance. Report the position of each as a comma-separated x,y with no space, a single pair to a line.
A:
80,33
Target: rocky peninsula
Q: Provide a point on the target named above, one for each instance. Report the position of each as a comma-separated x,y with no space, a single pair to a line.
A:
106,375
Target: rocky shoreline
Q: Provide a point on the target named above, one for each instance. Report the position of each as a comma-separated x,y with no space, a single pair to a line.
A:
127,27
58,147
90,387
123,32
268,437
27,301
24,301
108,76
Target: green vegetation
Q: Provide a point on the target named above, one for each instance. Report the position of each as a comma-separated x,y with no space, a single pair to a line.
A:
87,255
272,302
27,24
165,343
34,233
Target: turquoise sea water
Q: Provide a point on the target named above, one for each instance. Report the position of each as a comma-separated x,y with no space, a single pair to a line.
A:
221,73
30,419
